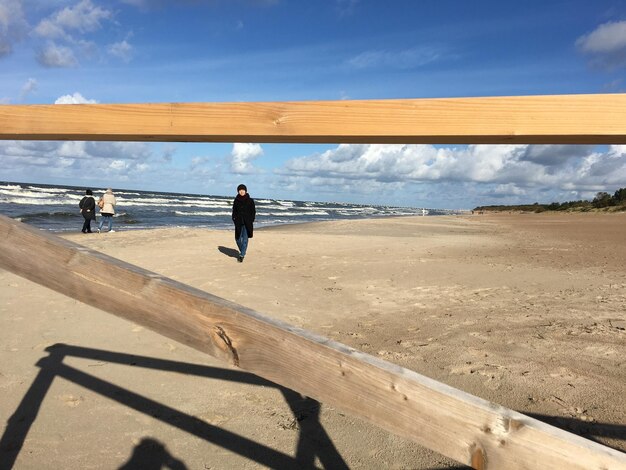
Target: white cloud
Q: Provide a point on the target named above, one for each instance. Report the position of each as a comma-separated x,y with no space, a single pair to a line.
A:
198,162
506,190
515,170
118,165
554,155
78,161
54,55
29,87
151,4
606,38
606,45
404,59
72,150
136,3
64,33
122,50
13,25
346,7
84,17
242,156
75,98
49,30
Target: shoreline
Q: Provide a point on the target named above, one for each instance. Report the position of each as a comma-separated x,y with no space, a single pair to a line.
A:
526,312
271,225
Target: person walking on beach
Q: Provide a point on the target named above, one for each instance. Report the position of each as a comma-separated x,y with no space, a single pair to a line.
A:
88,209
244,213
107,209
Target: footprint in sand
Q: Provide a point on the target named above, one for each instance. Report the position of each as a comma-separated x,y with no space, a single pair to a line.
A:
71,400
491,371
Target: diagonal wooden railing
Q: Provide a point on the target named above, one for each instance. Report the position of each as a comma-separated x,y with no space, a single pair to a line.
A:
454,423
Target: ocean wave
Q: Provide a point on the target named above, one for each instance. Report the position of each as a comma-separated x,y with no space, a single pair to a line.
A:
37,195
56,208
203,213
122,193
275,208
51,190
156,202
37,215
32,194
292,214
10,186
17,188
37,202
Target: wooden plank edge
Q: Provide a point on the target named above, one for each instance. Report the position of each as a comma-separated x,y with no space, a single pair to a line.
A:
437,139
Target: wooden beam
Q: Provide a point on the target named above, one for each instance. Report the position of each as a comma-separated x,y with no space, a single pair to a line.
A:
558,119
449,421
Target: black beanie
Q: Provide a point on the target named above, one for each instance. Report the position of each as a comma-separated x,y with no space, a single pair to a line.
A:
242,186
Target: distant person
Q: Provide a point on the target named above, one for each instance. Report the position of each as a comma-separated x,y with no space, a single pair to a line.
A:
244,213
107,209
88,209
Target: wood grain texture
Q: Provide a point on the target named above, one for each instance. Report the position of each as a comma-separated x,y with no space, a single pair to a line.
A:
449,421
558,119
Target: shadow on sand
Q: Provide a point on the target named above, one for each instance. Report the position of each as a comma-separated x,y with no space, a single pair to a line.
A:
228,251
151,454
313,441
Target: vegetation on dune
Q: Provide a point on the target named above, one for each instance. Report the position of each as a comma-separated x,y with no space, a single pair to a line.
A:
602,202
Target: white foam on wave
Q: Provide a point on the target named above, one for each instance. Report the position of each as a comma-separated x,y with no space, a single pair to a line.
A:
33,194
154,202
10,186
51,190
294,214
203,213
21,193
30,201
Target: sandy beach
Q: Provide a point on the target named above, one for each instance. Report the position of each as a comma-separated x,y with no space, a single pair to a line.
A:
525,310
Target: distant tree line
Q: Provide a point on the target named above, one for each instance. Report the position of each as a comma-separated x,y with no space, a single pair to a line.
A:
602,202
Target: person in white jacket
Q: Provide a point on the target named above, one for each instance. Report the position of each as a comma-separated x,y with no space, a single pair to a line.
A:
107,209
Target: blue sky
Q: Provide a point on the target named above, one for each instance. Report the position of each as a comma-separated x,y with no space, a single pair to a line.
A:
129,51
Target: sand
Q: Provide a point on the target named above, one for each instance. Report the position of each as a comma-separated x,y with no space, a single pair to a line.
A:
525,310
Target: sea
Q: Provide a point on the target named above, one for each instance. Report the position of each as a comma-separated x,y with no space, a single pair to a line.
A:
55,208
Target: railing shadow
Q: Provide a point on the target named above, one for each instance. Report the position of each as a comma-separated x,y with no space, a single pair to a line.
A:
587,429
313,441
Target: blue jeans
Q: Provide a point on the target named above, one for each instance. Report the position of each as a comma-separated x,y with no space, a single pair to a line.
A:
106,218
242,241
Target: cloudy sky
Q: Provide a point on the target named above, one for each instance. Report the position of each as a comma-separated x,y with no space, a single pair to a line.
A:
130,51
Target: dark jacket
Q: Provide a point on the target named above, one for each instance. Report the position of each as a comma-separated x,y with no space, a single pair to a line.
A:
88,207
244,213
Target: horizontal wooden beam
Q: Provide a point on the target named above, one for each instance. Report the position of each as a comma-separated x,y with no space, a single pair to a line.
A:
449,421
558,119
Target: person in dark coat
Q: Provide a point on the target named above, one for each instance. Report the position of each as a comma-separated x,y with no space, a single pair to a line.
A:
88,208
244,213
